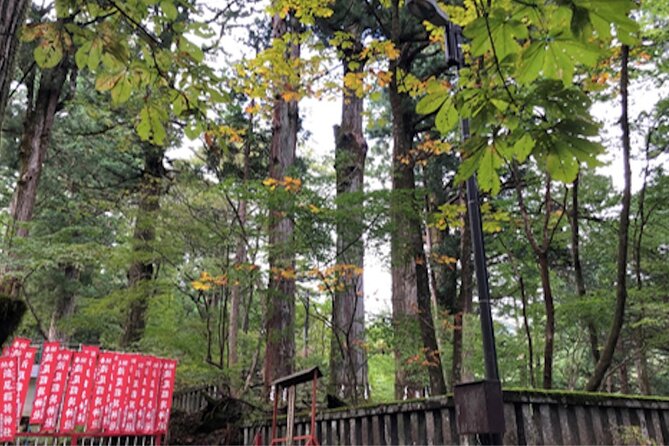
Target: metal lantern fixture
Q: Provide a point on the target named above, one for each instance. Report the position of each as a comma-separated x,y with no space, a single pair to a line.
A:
488,392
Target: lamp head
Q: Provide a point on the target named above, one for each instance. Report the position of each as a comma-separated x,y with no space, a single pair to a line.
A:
428,10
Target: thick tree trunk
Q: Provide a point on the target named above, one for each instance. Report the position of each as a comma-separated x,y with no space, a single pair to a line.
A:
65,303
606,356
34,145
412,312
12,15
143,267
578,269
280,322
348,359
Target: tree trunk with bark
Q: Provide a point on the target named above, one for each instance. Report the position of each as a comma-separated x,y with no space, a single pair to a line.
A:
141,273
606,356
241,256
12,15
65,303
465,298
280,318
578,269
38,124
540,249
416,347
348,358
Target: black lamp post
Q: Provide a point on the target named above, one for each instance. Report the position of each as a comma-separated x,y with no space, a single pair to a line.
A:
486,415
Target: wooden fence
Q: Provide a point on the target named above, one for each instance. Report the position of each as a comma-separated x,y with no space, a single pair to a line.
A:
531,418
193,400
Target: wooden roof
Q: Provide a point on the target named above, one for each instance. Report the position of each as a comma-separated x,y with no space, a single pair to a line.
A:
298,377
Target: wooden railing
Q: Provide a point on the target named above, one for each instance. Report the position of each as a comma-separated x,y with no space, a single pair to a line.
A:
531,418
193,400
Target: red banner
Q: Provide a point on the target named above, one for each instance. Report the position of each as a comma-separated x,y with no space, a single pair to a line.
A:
23,381
169,367
57,390
8,367
46,372
118,393
137,364
74,392
151,401
87,385
18,345
98,400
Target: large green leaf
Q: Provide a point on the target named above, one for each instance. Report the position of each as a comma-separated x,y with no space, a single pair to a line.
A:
447,118
430,103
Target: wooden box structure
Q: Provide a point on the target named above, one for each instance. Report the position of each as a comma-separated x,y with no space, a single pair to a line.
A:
290,382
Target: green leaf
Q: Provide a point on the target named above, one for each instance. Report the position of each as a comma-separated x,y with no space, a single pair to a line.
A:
523,147
561,164
532,62
81,56
191,49
430,103
488,178
469,164
500,104
48,54
168,8
95,54
447,118
107,81
121,91
151,125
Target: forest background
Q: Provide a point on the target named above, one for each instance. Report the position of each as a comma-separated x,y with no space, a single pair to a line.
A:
246,259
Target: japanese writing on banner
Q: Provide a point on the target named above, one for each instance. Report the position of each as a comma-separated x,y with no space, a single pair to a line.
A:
150,396
98,400
87,384
167,376
74,392
137,364
47,370
119,387
57,390
8,367
23,381
25,357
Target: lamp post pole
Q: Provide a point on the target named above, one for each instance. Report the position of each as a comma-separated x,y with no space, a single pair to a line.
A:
430,11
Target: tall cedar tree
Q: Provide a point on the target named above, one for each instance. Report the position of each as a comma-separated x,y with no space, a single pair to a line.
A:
40,114
348,359
411,303
12,15
280,319
143,266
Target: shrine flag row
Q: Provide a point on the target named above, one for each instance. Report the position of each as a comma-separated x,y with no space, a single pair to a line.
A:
91,391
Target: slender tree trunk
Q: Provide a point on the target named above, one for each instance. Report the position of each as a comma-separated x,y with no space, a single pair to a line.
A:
348,358
65,303
240,258
549,333
641,219
141,273
528,331
578,269
621,276
39,121
465,297
280,322
12,15
541,254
